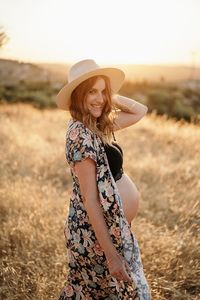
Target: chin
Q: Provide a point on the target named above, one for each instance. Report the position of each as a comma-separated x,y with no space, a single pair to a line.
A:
96,115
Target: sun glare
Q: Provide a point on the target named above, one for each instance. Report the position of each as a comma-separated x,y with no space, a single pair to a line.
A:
143,32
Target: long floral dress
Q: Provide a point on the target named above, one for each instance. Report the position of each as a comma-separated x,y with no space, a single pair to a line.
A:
88,275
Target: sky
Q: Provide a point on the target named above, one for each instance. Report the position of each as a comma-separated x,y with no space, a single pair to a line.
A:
108,31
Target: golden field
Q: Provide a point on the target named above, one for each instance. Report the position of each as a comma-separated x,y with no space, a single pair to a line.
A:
162,158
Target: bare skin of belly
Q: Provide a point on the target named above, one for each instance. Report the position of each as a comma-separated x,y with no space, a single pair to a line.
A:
129,195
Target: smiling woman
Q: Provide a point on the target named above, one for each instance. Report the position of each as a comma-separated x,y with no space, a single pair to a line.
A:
91,103
104,256
96,97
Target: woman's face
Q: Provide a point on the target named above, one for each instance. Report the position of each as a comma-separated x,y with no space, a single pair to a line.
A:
95,98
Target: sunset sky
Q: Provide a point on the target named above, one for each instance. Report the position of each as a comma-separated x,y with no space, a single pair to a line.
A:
109,31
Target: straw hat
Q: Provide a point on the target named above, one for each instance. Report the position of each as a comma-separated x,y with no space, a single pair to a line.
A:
83,70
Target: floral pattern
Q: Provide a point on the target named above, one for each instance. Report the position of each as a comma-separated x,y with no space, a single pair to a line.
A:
88,274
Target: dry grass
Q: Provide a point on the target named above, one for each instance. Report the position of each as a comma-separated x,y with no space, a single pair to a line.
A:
161,156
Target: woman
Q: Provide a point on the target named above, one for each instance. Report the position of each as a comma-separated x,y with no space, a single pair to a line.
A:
103,254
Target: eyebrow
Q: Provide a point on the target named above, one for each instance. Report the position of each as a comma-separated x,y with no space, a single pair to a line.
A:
96,89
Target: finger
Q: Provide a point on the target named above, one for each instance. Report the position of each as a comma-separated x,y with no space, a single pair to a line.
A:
127,276
120,277
117,275
123,276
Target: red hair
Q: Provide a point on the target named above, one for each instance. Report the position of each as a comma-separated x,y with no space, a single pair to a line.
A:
102,126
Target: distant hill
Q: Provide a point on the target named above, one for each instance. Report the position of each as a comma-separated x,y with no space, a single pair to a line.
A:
161,72
138,72
13,71
58,72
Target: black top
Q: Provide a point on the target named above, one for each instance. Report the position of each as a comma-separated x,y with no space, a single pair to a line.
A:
115,157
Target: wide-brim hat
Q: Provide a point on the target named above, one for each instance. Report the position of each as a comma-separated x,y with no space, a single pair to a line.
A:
83,70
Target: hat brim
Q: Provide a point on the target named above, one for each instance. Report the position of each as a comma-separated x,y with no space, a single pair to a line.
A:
115,75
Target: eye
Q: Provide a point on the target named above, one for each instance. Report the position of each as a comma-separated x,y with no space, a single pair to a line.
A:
92,92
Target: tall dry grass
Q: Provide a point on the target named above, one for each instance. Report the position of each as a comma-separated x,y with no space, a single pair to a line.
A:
162,158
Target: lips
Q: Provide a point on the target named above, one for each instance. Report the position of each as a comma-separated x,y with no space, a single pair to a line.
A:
96,110
96,107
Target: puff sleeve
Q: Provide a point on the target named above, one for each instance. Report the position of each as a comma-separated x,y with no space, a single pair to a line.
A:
80,145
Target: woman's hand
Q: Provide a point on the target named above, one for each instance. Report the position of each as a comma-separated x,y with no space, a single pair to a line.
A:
115,99
119,268
119,102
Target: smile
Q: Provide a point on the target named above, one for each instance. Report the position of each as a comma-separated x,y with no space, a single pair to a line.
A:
96,106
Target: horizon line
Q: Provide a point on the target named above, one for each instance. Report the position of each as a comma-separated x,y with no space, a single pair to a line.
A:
125,63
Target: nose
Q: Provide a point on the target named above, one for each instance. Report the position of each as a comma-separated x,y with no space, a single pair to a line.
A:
100,97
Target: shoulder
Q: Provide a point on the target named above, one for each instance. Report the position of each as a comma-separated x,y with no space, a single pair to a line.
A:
80,142
78,133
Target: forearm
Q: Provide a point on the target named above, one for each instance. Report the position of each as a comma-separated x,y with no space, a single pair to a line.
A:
129,105
99,225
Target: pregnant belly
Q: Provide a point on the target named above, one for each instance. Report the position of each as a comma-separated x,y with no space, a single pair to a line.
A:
129,195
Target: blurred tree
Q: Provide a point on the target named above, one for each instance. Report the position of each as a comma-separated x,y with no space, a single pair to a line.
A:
3,37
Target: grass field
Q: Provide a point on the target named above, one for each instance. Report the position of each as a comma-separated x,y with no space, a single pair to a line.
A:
35,186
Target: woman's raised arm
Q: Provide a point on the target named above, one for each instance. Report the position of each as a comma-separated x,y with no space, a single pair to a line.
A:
130,112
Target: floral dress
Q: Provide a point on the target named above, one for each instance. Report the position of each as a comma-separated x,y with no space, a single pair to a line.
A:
88,275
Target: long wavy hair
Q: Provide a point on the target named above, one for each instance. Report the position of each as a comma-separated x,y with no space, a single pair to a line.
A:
103,125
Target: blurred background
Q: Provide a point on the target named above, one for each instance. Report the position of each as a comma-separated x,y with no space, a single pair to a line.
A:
157,44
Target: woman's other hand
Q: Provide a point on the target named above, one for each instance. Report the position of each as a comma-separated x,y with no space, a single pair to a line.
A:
119,268
115,99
